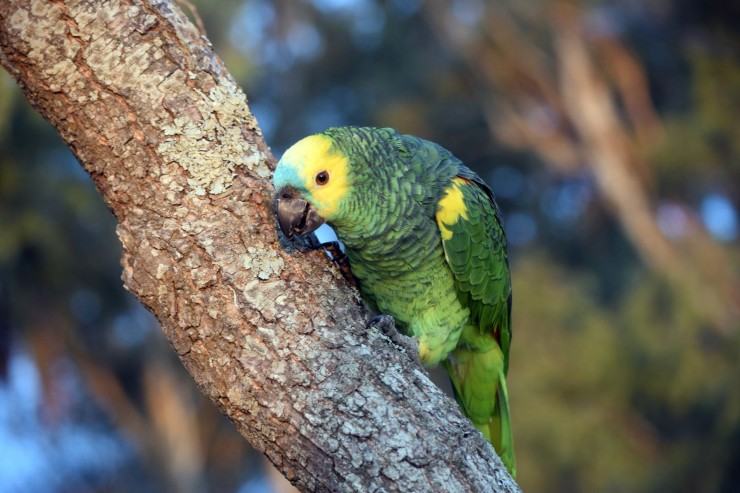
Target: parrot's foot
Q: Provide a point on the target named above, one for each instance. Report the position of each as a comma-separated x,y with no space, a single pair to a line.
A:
337,254
387,326
340,260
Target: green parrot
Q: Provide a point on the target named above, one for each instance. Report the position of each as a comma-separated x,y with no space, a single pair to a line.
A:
425,241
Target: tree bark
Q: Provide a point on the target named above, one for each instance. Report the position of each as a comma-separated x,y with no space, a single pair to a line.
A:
277,341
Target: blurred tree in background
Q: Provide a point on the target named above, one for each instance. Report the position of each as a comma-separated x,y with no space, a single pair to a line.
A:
608,131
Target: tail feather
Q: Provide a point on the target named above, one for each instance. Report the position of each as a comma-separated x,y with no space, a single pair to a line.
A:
505,447
479,384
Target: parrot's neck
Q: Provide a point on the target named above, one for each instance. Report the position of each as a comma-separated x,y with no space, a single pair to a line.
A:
390,247
387,224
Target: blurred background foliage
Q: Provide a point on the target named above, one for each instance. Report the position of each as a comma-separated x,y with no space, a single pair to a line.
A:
608,131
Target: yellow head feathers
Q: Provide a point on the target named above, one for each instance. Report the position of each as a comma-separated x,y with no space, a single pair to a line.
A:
318,171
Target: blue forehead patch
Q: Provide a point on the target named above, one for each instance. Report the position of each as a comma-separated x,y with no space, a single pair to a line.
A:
286,175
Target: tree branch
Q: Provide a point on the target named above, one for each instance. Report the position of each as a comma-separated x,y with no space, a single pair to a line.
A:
276,341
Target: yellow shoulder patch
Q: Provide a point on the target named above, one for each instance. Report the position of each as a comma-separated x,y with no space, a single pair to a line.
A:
309,157
451,207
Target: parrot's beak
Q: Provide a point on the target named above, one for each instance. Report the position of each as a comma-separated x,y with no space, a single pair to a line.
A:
295,214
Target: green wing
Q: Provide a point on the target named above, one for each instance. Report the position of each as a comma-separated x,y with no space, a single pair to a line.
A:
475,248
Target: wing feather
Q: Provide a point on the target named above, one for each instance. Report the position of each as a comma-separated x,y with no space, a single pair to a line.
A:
474,243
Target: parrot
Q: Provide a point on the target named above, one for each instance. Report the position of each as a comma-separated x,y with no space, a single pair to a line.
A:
425,241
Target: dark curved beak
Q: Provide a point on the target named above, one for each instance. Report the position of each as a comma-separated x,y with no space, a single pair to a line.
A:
295,214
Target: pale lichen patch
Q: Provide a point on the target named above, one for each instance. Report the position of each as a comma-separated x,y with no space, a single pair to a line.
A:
20,21
214,313
36,27
255,161
278,371
213,129
261,295
47,13
210,124
265,262
237,396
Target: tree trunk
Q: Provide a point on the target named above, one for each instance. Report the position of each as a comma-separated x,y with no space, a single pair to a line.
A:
276,340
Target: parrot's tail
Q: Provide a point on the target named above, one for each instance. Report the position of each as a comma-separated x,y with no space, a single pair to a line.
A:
480,389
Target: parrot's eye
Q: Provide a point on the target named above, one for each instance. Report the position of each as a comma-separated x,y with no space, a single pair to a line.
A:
322,178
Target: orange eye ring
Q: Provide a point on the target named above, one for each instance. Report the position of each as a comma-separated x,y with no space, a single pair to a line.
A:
322,178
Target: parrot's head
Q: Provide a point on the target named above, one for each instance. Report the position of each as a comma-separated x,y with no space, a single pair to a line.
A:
312,180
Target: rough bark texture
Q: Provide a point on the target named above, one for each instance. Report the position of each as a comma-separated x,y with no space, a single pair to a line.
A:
276,341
